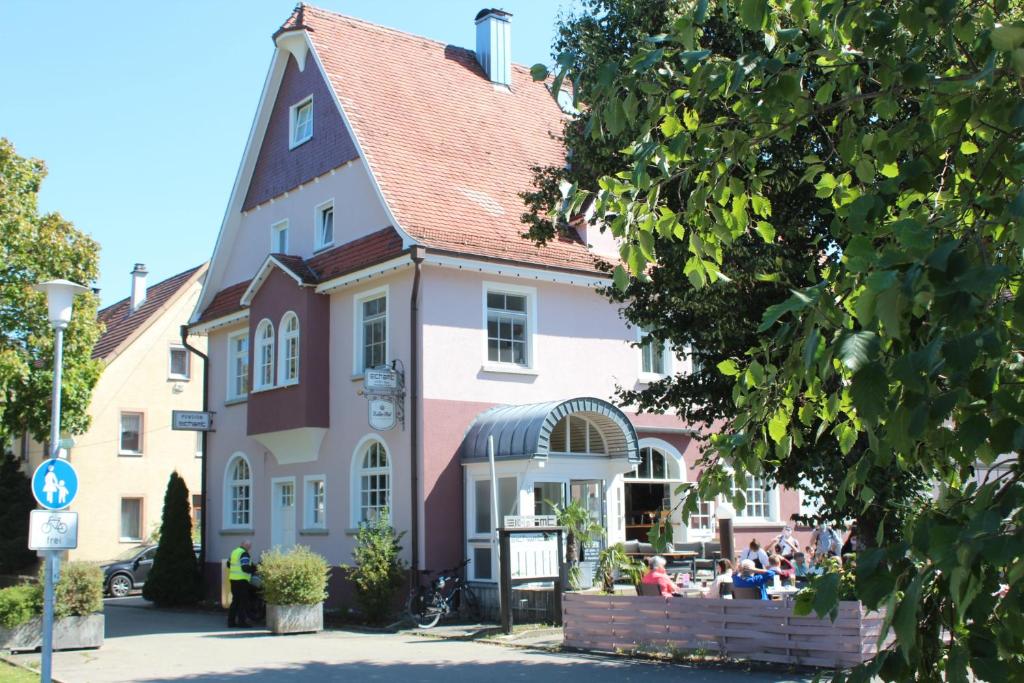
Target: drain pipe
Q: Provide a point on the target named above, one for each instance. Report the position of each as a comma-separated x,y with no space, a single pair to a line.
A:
416,253
202,464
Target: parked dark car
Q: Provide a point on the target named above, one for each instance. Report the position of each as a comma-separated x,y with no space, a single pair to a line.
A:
129,570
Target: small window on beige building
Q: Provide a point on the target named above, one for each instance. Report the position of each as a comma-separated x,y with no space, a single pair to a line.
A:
178,366
131,434
131,519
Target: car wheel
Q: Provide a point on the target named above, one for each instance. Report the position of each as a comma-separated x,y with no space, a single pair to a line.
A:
119,585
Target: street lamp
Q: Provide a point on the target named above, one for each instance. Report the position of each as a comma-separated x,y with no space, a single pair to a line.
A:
60,295
725,513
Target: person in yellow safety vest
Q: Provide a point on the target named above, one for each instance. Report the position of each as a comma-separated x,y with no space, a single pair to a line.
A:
240,569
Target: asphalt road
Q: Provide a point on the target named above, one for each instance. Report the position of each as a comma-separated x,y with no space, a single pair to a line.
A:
143,644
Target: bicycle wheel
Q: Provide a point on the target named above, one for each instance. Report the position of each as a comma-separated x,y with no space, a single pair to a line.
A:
425,609
469,604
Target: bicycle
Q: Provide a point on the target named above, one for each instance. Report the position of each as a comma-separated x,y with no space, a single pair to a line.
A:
448,593
54,523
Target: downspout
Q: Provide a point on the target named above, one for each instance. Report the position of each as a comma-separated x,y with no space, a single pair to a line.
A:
414,409
202,465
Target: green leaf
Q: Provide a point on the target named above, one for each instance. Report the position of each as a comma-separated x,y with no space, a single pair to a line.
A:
728,368
796,302
968,147
671,126
646,241
539,72
856,349
766,231
865,170
753,13
826,594
869,390
778,426
811,346
700,14
890,170
1005,38
620,278
846,435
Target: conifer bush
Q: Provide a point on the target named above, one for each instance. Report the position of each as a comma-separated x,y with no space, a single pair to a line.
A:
378,569
174,579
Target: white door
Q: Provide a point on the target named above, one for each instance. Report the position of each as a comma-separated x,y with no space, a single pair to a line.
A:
282,528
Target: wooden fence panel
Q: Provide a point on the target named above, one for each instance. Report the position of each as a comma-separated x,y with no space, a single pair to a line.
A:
749,629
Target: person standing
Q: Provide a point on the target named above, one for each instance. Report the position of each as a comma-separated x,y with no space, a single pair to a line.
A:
755,554
785,544
240,571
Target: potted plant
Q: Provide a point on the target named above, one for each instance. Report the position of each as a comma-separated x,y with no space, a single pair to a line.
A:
580,529
294,588
78,606
614,562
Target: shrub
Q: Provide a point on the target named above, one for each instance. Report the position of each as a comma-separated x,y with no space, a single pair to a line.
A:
18,604
295,577
174,579
614,562
79,592
378,569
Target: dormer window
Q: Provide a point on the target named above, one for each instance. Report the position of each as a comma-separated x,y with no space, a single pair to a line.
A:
300,122
325,225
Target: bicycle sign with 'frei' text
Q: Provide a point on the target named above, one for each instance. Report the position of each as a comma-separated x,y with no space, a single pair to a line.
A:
50,530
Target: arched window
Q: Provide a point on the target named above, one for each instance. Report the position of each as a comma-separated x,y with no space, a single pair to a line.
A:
238,492
288,363
372,480
653,465
576,434
263,377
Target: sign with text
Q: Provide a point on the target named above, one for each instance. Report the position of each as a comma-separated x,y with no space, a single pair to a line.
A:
55,484
382,414
533,555
191,421
380,378
49,530
528,522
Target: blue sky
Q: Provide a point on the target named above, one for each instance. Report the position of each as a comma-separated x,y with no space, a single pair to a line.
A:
141,110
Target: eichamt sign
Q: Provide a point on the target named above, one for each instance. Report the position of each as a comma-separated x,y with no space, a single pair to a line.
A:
191,421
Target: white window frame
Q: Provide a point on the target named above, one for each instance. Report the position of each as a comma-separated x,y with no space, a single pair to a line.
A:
531,328
318,214
260,341
669,359
170,365
590,424
199,444
142,518
233,357
121,450
276,230
356,487
284,337
357,326
771,498
293,113
227,521
309,500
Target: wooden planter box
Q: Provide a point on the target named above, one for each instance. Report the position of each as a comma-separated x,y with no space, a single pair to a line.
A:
295,618
69,633
758,630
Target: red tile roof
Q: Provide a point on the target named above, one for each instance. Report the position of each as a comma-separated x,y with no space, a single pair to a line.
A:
450,150
121,324
366,251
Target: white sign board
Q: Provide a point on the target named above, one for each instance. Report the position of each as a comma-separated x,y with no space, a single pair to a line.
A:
191,420
533,556
380,378
382,414
49,530
529,522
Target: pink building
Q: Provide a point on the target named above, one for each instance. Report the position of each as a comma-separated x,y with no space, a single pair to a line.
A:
375,221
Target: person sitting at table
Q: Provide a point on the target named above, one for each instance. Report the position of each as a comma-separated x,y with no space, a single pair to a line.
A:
659,577
802,570
752,577
724,577
756,555
782,567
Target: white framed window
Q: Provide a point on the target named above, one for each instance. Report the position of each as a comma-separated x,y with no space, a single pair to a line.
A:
288,363
323,220
238,365
263,376
130,436
238,493
131,520
178,365
510,319
577,434
760,498
371,341
300,122
654,465
703,520
279,237
199,444
315,502
656,357
371,480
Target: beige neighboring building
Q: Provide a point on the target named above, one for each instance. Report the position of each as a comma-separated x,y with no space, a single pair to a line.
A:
129,452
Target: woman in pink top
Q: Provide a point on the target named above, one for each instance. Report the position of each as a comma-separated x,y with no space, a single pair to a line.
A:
659,577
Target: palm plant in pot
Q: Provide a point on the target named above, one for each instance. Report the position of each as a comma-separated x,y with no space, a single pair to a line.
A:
294,588
580,529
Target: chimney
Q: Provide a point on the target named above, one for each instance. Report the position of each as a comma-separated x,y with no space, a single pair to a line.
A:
138,286
494,44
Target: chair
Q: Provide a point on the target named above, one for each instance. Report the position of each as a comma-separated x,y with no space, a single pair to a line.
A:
650,589
725,590
746,593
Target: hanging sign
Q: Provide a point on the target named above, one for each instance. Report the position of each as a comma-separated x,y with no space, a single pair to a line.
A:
55,484
191,420
49,530
380,378
382,414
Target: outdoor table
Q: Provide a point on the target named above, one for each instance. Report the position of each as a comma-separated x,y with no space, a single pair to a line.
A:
782,592
690,591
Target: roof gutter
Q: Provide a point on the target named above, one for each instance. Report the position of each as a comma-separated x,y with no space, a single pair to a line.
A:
202,465
417,255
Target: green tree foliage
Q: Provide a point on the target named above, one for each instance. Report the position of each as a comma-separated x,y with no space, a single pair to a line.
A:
909,341
78,593
174,578
34,248
16,504
378,569
709,325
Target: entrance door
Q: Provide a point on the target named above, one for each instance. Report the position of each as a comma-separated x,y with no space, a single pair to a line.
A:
590,492
282,528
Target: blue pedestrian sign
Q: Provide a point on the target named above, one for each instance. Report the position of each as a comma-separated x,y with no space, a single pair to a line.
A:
55,484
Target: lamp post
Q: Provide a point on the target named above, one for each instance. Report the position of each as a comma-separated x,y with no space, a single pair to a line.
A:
60,295
725,513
